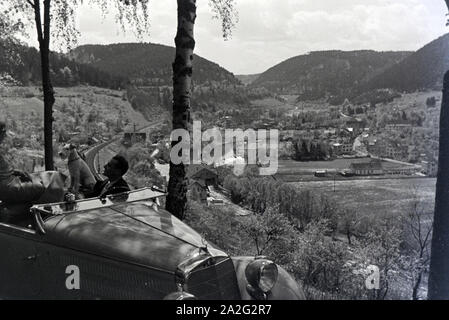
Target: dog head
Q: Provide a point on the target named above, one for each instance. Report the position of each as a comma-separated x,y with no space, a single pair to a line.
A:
66,150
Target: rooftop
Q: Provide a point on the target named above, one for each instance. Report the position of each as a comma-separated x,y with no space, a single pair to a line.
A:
372,165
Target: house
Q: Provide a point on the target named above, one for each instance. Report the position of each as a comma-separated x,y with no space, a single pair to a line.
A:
337,148
373,167
203,174
198,191
430,168
404,170
413,154
396,150
343,147
347,146
356,124
130,138
376,146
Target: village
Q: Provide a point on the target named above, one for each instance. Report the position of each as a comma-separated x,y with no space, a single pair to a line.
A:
187,173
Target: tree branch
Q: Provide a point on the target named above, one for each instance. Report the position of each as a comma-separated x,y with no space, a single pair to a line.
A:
31,4
37,18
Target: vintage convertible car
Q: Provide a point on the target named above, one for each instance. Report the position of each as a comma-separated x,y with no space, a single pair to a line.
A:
126,247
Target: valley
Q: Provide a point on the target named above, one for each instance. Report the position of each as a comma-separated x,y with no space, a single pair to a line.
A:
358,147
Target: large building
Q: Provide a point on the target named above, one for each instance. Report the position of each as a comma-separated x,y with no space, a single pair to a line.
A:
398,125
373,167
396,151
356,124
343,147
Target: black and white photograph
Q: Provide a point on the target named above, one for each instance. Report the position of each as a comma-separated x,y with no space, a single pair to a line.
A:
243,151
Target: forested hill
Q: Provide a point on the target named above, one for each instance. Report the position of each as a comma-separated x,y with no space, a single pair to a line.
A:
21,64
247,79
321,73
424,69
147,64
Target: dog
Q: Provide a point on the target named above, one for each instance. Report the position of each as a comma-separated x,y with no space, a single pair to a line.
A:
81,178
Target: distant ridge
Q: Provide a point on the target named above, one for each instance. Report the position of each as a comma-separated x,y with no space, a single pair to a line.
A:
25,68
322,73
422,70
147,64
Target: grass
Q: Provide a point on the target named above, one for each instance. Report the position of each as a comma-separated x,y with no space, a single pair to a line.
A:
390,196
309,167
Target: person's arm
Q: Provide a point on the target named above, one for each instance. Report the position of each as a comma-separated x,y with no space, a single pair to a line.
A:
24,176
97,188
118,187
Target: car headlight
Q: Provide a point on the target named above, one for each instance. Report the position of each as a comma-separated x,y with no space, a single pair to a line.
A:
261,275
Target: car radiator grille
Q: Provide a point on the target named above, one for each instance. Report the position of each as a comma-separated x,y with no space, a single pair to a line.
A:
216,282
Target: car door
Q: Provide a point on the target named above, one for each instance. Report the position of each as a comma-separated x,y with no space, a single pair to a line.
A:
19,263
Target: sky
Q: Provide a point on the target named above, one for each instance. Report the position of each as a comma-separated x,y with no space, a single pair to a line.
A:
271,31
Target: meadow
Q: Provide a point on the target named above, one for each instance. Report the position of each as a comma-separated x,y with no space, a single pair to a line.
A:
377,196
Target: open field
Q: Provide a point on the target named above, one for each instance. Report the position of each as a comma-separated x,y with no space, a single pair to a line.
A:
391,196
290,170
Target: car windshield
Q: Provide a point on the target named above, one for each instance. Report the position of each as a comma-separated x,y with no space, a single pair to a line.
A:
93,203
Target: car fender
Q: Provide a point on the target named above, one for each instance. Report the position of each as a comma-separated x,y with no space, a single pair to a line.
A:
286,287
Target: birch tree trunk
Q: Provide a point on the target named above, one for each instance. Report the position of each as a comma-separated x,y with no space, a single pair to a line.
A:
439,261
43,36
182,86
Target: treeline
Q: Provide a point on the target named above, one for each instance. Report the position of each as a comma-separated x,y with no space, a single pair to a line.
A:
24,66
235,95
147,64
310,150
149,103
260,193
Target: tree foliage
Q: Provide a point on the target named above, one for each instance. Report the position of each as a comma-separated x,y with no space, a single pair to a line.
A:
224,10
267,229
131,15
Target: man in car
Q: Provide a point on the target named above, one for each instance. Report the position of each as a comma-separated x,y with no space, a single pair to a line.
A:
114,184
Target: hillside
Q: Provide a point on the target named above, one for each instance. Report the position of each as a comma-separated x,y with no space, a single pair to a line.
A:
423,69
24,68
247,79
147,64
318,74
81,113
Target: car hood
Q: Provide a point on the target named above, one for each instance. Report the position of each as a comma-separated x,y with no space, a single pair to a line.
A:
136,233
